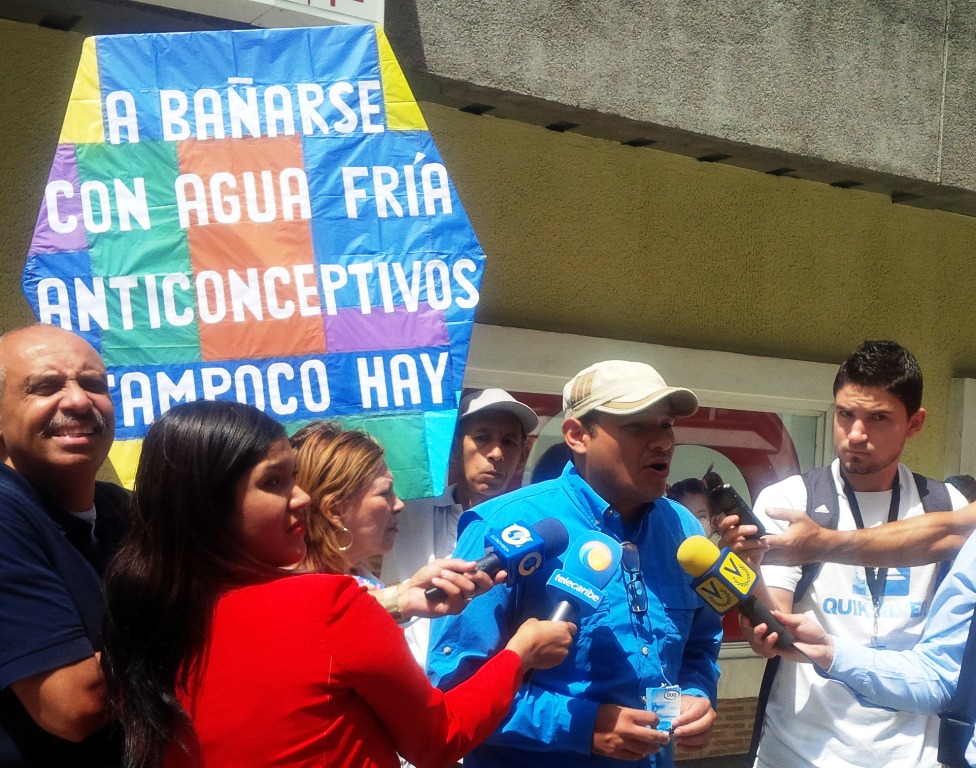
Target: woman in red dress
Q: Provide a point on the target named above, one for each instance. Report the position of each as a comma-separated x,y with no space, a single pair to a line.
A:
218,653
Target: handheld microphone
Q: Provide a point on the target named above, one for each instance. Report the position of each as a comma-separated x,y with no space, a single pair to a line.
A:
577,587
725,581
519,549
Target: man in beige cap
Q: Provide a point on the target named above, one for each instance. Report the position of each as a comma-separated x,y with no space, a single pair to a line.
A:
488,449
651,629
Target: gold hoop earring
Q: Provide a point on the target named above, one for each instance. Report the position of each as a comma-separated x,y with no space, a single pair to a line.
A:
349,534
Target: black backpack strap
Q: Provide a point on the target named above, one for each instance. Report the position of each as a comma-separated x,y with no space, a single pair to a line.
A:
769,674
821,492
933,493
956,728
935,498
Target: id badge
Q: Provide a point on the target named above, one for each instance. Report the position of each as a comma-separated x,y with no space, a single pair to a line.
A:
665,702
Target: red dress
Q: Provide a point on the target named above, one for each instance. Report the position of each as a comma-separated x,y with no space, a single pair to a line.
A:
311,671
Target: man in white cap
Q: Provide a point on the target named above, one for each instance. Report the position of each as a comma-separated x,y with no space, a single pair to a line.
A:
651,629
488,449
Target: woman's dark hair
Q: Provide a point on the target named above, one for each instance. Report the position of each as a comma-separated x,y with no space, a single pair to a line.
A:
689,485
178,557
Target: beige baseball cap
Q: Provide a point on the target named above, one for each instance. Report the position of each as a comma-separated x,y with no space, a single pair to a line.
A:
623,387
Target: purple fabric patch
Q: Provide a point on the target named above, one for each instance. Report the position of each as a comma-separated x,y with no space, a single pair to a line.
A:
46,240
352,331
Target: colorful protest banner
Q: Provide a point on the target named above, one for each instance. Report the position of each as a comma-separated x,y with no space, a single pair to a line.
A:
262,216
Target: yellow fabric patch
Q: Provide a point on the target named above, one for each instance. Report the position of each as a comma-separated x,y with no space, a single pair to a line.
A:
83,120
402,111
124,457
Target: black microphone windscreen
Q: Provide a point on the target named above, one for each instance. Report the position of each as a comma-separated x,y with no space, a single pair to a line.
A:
554,534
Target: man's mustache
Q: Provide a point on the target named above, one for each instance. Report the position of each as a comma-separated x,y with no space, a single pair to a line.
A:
95,419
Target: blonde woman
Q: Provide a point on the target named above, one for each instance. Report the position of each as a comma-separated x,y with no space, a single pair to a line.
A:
352,522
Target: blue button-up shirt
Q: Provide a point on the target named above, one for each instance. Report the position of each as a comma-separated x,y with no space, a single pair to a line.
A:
922,679
616,655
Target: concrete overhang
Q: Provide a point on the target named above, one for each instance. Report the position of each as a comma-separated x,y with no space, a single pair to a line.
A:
870,95
903,190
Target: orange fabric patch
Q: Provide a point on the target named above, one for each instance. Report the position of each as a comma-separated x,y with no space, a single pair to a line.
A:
263,273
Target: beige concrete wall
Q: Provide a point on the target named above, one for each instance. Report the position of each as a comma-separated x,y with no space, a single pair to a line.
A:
590,237
38,69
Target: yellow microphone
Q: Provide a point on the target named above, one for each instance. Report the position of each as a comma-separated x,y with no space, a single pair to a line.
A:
724,581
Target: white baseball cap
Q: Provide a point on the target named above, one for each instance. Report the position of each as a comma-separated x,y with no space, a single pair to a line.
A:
623,387
482,400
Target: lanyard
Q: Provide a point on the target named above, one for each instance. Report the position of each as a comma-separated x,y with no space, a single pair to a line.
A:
876,578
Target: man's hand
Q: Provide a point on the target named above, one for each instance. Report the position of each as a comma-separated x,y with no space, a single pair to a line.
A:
733,536
623,733
810,643
918,540
773,598
761,644
802,542
694,726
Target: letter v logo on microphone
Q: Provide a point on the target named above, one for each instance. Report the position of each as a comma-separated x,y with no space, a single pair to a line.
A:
739,575
717,594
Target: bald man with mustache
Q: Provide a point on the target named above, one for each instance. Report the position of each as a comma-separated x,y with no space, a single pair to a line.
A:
58,529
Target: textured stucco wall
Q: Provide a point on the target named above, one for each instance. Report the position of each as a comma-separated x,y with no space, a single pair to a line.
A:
883,85
38,69
811,76
590,237
959,112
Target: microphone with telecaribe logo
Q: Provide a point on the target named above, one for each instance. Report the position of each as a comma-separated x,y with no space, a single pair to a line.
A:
577,587
726,582
518,549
